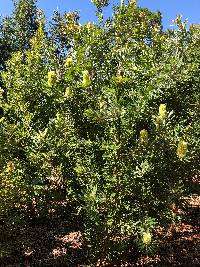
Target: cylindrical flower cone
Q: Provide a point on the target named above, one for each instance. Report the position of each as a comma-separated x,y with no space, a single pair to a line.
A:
51,78
146,238
144,137
182,149
162,111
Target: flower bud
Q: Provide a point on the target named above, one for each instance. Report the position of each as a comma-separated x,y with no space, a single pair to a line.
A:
162,111
102,104
158,122
133,2
10,167
86,78
146,238
182,149
100,3
119,79
89,26
68,93
51,78
144,137
68,62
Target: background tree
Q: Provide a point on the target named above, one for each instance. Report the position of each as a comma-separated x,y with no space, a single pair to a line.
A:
17,29
16,32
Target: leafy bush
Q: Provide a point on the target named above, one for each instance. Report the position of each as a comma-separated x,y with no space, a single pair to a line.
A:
106,122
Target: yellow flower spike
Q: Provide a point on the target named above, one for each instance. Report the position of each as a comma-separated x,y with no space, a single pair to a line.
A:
51,78
40,28
86,78
182,149
102,104
144,137
158,122
119,79
68,62
68,93
10,167
146,238
133,2
89,26
162,111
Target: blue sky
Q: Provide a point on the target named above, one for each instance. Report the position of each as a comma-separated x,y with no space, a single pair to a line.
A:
169,8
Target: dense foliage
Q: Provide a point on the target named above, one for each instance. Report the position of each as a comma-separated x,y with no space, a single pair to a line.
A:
102,121
17,29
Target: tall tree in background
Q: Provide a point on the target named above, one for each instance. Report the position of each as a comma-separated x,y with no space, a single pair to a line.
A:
16,30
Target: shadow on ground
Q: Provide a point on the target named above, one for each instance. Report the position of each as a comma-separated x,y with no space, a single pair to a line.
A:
56,242
50,242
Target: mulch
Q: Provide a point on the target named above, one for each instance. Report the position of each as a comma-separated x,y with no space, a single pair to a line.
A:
55,243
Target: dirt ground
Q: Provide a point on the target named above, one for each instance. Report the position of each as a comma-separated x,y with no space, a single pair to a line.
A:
54,243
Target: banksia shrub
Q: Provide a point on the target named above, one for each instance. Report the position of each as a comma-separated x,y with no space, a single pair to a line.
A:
108,123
